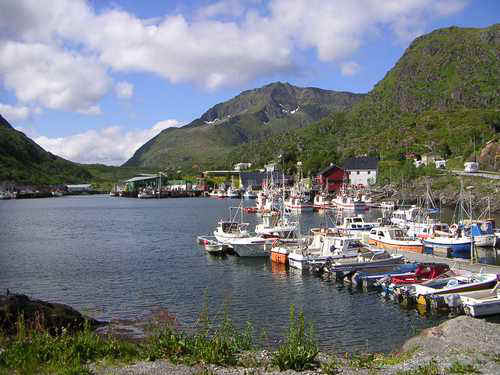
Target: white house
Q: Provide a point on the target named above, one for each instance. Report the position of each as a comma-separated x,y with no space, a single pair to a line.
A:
241,166
361,170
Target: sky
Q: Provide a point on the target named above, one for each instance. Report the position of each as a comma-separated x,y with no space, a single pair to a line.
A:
93,80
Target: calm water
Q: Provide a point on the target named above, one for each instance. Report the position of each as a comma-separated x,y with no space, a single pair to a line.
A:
122,258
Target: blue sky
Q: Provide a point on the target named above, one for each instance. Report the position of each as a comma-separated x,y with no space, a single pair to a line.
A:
93,80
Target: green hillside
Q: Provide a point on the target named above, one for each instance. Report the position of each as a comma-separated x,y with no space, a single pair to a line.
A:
441,97
251,116
22,160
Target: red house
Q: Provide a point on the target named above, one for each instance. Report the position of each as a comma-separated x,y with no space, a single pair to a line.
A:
333,175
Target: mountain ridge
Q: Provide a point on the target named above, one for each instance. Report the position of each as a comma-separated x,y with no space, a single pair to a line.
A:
252,115
23,160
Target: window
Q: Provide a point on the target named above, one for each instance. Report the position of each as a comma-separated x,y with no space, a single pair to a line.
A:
369,172
357,172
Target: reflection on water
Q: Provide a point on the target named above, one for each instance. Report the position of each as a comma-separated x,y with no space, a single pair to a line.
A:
123,258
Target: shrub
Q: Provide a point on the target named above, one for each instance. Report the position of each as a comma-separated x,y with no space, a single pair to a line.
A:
300,348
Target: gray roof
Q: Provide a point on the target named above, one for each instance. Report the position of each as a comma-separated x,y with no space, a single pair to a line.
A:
362,162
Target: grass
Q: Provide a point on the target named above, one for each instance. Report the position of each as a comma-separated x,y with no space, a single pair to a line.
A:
299,349
462,368
36,351
430,368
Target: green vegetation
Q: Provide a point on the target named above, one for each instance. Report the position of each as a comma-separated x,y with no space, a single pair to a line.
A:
36,351
462,368
299,349
430,368
440,98
22,160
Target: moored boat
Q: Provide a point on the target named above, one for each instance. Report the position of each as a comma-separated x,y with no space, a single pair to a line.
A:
454,284
393,238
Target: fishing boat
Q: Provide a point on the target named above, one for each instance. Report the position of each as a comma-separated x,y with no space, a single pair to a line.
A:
232,228
298,203
365,260
453,284
211,245
345,201
249,194
233,193
356,223
146,194
254,246
455,244
322,201
481,231
393,238
387,205
369,277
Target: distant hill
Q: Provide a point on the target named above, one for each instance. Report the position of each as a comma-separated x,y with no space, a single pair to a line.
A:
441,97
251,116
22,160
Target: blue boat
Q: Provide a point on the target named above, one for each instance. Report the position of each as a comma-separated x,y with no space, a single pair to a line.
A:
457,246
367,278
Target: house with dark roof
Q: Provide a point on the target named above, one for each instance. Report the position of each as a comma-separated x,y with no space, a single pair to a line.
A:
330,178
362,171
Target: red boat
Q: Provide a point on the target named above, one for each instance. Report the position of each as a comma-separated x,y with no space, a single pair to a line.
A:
424,272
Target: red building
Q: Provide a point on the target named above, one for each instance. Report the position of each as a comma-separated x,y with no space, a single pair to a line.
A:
333,175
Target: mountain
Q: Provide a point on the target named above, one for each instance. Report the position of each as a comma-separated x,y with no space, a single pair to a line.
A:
441,97
22,160
251,116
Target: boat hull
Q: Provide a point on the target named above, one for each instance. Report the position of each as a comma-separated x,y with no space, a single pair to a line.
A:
455,249
279,257
253,248
411,247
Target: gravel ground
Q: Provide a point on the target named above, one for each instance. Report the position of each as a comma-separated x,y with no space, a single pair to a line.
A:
462,340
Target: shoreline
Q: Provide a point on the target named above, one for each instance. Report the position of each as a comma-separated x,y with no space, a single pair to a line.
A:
462,343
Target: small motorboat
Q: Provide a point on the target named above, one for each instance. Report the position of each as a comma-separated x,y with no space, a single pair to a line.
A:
481,303
454,284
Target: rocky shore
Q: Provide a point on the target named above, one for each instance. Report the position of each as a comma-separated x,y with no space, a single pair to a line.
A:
460,345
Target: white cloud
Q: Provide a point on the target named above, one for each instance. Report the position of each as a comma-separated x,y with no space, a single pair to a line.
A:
112,145
124,90
14,113
52,77
349,68
66,47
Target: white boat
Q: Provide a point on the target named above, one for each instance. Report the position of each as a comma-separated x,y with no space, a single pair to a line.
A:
322,201
356,223
233,193
387,205
251,246
481,231
456,284
481,303
232,228
325,244
227,231
298,203
393,238
346,201
146,194
249,194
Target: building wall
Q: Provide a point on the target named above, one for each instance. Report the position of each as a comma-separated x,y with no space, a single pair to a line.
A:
362,177
335,179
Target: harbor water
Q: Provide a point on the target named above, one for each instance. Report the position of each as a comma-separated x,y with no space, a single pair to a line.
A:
119,258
